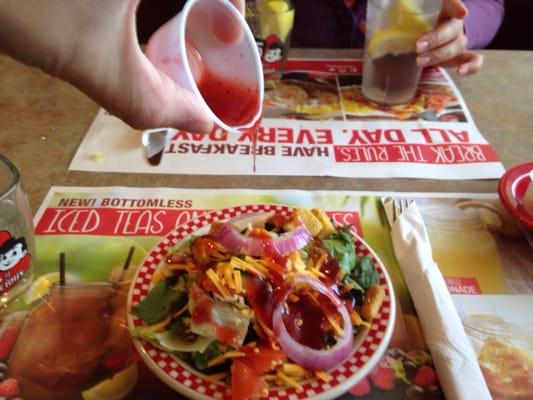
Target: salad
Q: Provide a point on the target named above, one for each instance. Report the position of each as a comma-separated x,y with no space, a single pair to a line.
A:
266,303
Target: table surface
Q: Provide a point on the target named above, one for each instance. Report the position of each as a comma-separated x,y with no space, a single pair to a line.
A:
43,120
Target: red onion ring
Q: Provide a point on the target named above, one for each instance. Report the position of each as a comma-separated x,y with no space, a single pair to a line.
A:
307,357
234,241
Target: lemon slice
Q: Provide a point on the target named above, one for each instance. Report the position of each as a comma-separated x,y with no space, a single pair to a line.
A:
407,15
275,17
116,388
272,6
41,286
391,41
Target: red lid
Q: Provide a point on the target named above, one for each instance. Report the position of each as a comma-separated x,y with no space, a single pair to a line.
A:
512,189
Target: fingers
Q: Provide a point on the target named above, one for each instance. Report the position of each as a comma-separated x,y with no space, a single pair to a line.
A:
446,42
165,104
444,33
467,63
145,98
453,9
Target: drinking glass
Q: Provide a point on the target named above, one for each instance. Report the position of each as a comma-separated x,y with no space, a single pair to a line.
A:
271,23
16,235
62,340
390,73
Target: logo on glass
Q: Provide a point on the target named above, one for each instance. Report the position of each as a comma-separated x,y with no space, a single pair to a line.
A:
15,260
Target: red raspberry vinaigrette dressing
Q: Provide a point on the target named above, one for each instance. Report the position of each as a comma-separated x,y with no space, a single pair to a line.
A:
234,103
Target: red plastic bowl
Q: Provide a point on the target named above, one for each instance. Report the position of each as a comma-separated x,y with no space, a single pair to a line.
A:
512,189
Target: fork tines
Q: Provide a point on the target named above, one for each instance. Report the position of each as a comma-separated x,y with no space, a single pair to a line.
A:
400,205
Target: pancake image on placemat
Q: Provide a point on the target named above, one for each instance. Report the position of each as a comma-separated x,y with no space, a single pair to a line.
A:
303,96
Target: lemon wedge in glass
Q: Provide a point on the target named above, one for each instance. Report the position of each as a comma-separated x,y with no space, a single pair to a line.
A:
408,15
407,23
41,286
391,41
115,388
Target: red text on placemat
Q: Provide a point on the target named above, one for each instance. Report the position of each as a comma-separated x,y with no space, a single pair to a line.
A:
463,285
136,222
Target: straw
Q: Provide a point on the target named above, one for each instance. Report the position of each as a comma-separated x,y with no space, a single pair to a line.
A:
128,259
61,269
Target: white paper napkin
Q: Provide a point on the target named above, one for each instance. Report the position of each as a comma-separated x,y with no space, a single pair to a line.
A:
454,357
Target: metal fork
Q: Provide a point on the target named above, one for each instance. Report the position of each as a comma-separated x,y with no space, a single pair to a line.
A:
393,207
399,206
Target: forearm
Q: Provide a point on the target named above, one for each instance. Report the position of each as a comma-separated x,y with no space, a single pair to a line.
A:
49,34
483,21
34,32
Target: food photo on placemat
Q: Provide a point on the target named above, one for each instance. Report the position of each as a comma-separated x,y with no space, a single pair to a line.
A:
303,95
432,102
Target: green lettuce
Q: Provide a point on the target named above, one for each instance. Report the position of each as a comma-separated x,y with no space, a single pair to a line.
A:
365,273
159,302
340,245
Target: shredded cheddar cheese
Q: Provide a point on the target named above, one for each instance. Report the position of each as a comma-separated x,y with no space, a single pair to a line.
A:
217,282
294,370
323,376
320,261
158,327
180,311
216,378
332,321
288,380
223,357
237,279
244,266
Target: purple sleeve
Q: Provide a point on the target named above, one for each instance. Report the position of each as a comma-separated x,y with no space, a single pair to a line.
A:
483,21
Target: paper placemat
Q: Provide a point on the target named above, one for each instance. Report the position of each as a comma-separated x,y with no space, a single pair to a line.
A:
317,123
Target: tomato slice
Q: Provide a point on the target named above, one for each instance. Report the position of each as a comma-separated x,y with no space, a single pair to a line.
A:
245,382
205,250
263,359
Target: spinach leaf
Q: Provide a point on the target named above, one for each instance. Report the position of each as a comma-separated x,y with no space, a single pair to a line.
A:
340,245
201,359
162,299
365,274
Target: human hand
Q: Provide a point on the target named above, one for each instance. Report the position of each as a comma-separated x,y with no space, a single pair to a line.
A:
447,44
93,45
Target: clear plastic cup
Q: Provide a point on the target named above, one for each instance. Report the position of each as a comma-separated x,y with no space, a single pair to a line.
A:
209,49
17,249
390,72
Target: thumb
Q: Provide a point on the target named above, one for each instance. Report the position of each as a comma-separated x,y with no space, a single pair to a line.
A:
453,9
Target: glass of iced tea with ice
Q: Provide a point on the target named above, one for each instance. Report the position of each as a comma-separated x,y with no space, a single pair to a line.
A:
390,72
62,340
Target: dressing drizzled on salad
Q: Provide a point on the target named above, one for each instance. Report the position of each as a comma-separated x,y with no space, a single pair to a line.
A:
269,304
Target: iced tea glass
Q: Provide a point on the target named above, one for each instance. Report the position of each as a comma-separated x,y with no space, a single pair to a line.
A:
390,73
16,235
271,23
62,340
